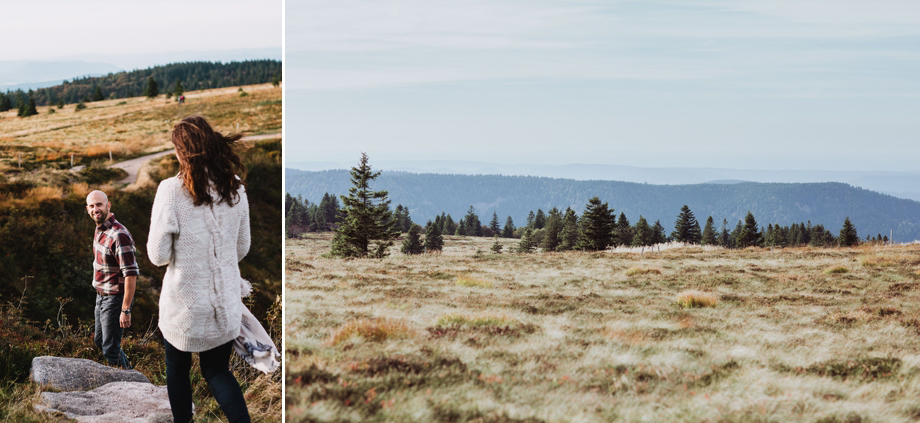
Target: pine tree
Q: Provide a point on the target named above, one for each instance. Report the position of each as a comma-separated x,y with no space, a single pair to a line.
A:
275,80
623,233
30,109
709,233
570,231
367,217
530,219
643,234
658,233
413,242
151,90
539,221
433,239
450,226
473,227
97,93
686,228
749,235
848,236
508,230
597,226
526,245
552,232
461,228
725,237
178,89
496,246
494,225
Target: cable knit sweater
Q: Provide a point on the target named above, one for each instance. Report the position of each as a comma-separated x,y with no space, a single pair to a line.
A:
200,303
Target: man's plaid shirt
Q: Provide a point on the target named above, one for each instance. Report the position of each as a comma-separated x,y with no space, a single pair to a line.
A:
113,251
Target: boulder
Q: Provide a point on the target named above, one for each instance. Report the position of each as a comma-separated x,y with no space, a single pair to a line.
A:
78,374
116,402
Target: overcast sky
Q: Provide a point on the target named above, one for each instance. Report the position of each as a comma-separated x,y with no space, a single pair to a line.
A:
124,32
744,84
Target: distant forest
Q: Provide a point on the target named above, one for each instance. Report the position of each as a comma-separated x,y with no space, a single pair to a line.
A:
427,196
190,75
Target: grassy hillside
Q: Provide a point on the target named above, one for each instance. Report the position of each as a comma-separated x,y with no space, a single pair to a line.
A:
128,127
46,297
427,195
687,335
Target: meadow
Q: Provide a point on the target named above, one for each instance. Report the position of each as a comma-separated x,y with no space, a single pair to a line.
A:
129,127
681,335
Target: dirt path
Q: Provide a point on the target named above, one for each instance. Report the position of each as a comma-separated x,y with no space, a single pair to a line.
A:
133,166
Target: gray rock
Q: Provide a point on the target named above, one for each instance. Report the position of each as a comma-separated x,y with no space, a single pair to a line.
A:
78,374
116,402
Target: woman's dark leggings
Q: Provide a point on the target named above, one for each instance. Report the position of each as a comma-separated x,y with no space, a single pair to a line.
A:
216,371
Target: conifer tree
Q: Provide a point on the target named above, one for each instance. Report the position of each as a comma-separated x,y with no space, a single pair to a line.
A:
508,230
450,226
623,233
526,245
570,230
643,234
749,235
597,226
539,221
461,228
530,219
367,217
30,109
709,233
658,232
848,236
433,239
178,89
97,93
552,232
725,237
413,242
496,247
5,102
686,228
494,225
473,227
151,90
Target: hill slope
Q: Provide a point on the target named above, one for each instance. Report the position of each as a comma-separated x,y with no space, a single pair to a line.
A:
427,195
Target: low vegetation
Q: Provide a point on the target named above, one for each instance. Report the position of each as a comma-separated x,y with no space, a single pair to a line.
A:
710,335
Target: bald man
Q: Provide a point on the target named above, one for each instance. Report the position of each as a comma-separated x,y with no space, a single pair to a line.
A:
114,277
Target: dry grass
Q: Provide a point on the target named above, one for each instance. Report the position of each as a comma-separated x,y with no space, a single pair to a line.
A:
373,330
634,271
571,337
836,270
474,282
130,127
696,299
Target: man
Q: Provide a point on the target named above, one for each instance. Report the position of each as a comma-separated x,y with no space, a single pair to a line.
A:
114,277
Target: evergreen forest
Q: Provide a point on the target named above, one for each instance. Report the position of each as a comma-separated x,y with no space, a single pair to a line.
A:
168,79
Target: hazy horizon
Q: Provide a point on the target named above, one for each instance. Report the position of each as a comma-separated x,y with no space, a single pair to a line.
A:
101,36
760,85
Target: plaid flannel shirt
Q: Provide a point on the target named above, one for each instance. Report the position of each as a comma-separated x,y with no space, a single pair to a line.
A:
113,251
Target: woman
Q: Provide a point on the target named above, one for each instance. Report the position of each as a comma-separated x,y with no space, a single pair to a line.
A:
200,228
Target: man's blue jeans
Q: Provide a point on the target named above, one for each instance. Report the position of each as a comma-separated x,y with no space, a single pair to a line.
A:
108,330
216,371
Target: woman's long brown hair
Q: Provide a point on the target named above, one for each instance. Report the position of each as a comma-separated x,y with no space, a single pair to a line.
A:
207,156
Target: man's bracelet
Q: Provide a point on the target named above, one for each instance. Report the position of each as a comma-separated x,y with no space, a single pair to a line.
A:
126,312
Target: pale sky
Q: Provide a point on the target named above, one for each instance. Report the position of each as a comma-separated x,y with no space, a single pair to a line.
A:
743,84
120,32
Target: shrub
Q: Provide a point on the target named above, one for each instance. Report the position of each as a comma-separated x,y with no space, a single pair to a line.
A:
80,106
696,299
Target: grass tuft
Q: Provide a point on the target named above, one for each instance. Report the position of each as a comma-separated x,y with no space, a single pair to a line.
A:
633,271
374,330
475,321
473,282
696,299
836,270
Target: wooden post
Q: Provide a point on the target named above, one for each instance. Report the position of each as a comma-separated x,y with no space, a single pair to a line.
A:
71,159
110,155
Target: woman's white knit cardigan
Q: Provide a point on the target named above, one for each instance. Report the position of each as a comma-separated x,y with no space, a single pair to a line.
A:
200,304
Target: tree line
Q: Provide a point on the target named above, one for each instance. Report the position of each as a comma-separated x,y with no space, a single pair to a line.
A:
168,79
427,195
365,216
